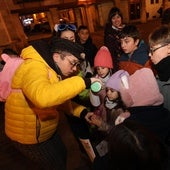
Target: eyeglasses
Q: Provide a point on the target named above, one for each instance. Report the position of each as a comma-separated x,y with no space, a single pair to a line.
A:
63,27
153,50
73,64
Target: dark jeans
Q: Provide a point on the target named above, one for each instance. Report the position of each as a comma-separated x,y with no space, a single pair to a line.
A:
50,154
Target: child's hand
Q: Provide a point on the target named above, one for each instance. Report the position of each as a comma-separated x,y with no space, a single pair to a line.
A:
122,117
95,79
93,119
96,120
88,117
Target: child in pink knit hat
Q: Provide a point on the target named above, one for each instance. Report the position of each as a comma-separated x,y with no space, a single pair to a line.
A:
103,58
103,66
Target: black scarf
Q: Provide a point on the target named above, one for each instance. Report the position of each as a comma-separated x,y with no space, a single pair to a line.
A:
163,69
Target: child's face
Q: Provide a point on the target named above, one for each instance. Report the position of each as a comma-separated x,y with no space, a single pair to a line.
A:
159,52
111,94
68,34
117,21
129,45
83,35
102,71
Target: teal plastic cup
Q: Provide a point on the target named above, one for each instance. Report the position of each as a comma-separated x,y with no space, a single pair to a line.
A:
96,87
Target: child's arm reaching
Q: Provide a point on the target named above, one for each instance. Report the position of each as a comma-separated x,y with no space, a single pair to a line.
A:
122,117
93,119
97,121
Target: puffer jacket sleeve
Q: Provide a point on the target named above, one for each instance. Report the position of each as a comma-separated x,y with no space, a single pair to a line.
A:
71,108
44,90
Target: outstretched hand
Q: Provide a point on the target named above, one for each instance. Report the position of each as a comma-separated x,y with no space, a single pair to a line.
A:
94,79
88,117
122,117
93,119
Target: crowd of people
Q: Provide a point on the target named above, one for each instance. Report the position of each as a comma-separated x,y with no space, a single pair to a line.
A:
116,98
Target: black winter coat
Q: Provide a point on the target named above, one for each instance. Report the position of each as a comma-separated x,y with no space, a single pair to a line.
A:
90,50
112,42
155,118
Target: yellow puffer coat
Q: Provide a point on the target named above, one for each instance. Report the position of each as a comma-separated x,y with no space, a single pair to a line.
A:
30,109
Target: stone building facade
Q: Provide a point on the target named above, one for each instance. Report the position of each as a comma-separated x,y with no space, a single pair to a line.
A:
25,20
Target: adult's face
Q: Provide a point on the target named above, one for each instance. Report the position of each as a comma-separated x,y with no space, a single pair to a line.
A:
67,63
117,21
68,34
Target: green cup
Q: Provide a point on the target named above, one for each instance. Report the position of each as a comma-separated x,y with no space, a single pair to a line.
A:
96,87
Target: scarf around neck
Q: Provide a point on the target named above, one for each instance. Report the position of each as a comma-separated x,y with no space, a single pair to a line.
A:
163,69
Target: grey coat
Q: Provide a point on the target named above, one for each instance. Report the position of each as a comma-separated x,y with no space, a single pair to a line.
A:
164,87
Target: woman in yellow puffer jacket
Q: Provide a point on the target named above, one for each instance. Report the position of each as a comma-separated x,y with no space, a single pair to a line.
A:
41,88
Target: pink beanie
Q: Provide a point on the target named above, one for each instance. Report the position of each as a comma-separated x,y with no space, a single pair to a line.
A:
103,58
143,90
114,81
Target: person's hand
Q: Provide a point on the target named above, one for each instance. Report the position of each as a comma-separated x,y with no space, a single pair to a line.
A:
93,119
122,117
94,79
88,117
96,120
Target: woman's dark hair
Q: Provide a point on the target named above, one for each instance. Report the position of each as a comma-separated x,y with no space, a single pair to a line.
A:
120,103
133,147
113,12
118,109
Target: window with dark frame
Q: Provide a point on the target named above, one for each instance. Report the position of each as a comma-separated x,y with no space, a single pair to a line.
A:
152,1
35,23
